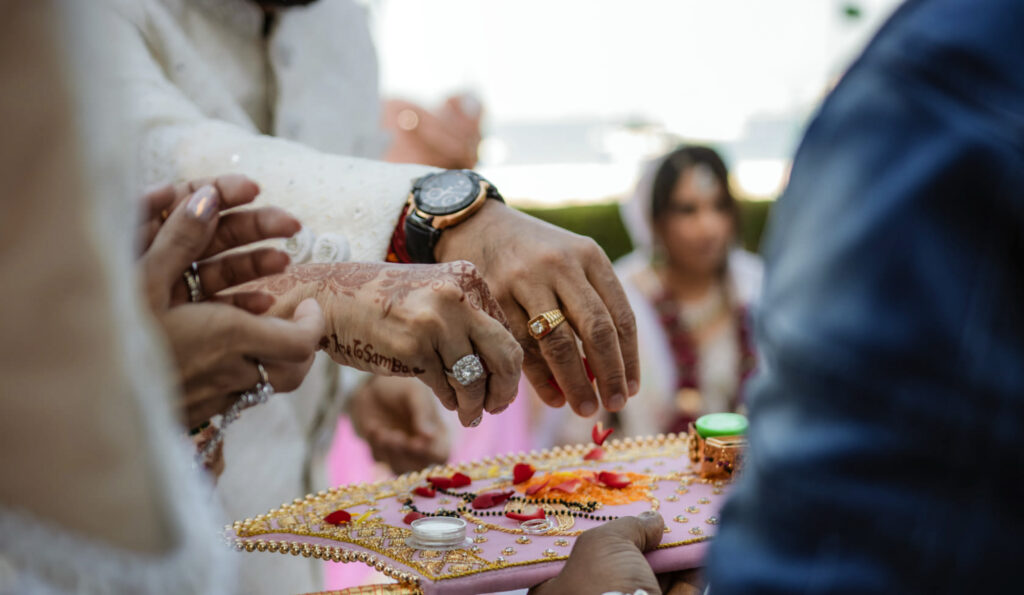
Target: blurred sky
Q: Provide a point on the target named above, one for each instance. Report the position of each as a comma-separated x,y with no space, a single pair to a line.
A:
578,92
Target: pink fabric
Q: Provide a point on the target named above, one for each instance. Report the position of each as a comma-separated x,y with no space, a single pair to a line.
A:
350,461
698,503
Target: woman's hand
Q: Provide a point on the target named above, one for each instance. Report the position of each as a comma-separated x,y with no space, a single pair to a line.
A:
399,419
199,233
216,344
216,347
411,320
610,558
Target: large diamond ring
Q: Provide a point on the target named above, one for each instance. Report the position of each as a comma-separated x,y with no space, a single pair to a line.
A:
468,369
195,288
542,324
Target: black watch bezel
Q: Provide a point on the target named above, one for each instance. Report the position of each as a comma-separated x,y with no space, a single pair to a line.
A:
464,203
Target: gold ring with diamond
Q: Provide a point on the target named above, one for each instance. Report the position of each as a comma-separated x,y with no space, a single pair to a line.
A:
542,324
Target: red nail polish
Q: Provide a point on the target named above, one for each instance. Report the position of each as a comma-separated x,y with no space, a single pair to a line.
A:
554,385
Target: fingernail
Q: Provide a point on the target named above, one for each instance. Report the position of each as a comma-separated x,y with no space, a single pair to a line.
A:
616,402
476,422
634,387
554,385
587,408
204,202
647,515
499,410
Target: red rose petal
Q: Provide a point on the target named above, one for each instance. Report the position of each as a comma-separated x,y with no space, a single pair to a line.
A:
599,434
595,454
568,486
412,516
490,499
522,472
537,487
338,517
520,516
614,480
440,482
426,492
461,480
590,373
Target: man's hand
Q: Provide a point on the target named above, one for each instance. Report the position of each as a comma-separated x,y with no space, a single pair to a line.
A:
533,267
410,320
399,419
610,558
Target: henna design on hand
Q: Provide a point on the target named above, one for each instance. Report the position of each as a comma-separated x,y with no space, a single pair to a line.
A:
399,283
343,279
357,351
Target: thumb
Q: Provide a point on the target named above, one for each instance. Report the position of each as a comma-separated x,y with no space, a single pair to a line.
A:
182,238
309,317
644,530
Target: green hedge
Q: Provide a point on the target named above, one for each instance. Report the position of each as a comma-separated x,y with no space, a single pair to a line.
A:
603,223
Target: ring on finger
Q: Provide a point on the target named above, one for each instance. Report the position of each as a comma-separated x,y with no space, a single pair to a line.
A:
467,370
544,323
195,288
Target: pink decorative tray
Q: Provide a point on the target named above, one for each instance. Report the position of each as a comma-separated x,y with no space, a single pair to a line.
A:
577,488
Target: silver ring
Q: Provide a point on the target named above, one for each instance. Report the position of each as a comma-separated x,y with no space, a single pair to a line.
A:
195,288
264,377
537,526
467,370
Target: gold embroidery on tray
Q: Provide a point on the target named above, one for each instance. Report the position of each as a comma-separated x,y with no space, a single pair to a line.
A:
302,517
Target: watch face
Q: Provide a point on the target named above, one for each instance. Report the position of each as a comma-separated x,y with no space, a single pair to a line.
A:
447,192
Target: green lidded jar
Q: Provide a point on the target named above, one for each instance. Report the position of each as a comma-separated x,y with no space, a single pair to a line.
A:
721,424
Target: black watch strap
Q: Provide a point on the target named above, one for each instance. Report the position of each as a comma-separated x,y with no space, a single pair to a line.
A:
420,238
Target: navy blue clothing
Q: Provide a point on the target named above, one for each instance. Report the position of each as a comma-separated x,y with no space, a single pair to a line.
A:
887,417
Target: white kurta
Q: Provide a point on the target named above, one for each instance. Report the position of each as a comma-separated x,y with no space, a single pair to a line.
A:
211,95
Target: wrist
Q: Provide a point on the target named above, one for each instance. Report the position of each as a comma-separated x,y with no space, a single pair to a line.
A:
457,243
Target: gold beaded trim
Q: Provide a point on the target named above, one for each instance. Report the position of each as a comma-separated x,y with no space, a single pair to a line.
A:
617,450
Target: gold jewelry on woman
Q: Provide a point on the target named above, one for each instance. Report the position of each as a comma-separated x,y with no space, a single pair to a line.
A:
542,324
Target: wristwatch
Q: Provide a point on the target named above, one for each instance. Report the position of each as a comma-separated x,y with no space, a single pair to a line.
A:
439,201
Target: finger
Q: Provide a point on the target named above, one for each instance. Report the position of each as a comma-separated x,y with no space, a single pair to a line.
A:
560,351
231,270
235,190
644,531
470,396
156,200
435,379
156,205
587,314
182,239
292,340
433,133
240,228
535,368
504,360
287,376
603,279
253,302
212,394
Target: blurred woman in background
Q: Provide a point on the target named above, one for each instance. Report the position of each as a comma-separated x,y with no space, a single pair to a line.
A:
691,287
